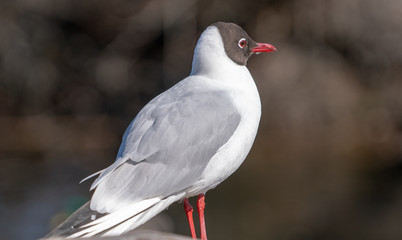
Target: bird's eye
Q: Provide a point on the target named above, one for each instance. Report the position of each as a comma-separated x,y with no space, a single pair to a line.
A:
242,43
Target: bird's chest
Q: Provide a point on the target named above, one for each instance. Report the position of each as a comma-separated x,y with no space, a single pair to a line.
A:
232,154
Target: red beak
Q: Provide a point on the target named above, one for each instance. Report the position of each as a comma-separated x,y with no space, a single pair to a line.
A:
263,47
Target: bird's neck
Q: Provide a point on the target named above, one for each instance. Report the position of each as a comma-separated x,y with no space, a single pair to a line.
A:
215,67
210,58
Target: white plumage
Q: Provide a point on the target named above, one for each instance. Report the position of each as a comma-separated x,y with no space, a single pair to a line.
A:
212,72
184,142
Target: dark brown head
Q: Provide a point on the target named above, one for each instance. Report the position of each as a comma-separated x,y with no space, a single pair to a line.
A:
238,45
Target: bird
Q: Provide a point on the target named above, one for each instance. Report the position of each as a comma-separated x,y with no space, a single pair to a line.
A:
184,142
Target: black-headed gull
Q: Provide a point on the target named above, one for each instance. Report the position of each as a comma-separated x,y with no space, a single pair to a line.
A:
184,142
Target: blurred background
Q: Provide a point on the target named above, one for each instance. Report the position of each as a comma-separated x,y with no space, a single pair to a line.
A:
327,160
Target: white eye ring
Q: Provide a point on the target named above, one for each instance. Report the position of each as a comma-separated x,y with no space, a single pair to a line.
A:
242,43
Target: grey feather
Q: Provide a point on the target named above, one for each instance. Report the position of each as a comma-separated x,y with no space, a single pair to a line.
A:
168,145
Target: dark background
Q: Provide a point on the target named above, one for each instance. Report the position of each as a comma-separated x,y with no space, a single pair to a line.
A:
327,160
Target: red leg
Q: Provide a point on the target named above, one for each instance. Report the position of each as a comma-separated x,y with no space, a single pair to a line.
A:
189,212
201,207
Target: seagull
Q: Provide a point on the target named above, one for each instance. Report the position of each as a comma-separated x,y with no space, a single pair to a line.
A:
184,142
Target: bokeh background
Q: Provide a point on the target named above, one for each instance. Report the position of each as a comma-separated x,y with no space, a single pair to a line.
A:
327,161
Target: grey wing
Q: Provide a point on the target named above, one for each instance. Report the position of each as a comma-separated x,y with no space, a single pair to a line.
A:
141,124
167,147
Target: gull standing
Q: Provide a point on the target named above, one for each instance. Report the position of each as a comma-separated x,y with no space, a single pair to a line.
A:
184,142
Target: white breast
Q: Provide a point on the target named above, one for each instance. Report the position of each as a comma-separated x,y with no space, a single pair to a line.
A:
210,61
241,87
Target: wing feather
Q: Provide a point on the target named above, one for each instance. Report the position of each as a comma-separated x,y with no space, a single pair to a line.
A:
167,146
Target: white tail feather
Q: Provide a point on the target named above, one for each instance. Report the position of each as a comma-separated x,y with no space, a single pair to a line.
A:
114,218
143,217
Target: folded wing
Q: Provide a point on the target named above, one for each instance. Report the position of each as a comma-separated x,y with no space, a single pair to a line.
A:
167,146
